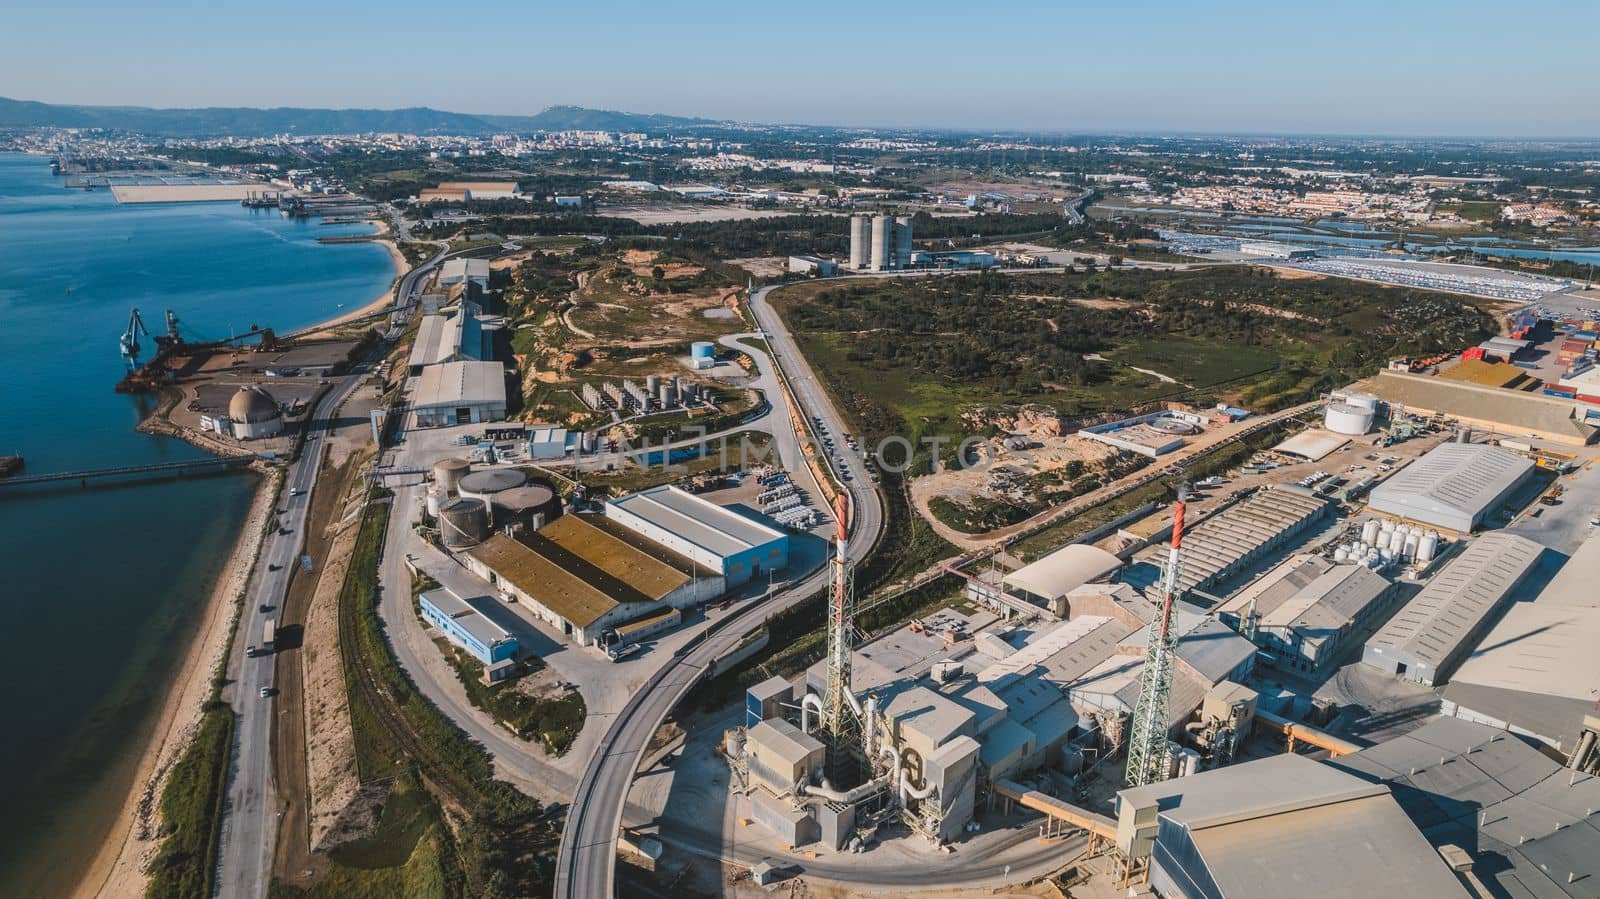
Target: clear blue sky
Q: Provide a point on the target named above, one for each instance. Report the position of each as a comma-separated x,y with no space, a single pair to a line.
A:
1394,67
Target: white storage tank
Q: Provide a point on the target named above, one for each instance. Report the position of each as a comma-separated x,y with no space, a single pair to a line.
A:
436,501
1412,540
1428,546
1343,418
1397,543
1369,530
1362,401
1341,555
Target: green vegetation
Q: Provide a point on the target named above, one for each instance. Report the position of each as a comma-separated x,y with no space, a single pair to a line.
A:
1475,210
191,811
409,854
910,356
555,722
503,848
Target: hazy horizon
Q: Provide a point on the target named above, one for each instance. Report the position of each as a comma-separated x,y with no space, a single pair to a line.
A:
1364,68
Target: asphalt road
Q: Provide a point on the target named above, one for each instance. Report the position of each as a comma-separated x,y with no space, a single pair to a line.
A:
586,865
249,813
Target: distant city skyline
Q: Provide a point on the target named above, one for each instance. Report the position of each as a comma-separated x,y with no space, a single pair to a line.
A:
1361,68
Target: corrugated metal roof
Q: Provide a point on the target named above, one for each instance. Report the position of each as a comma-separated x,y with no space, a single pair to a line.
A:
1460,478
461,383
465,616
701,522
1070,566
1527,821
1455,601
1512,410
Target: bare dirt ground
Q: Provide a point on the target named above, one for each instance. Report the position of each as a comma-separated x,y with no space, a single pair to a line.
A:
118,870
762,266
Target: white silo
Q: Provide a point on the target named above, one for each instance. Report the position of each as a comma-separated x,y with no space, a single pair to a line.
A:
1397,543
1363,401
1412,540
860,241
902,241
1369,530
1343,418
1341,555
1428,546
882,241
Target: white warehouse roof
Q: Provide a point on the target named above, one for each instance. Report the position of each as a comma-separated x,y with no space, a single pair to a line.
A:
457,270
1428,631
461,383
1453,485
701,522
1064,570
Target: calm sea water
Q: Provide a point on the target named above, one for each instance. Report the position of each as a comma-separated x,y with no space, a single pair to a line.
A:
103,587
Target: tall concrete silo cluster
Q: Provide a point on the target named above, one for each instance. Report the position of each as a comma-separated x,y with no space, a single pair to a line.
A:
880,242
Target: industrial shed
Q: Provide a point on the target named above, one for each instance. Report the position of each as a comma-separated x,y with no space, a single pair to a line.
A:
1509,412
1307,607
1280,826
460,393
469,629
1440,625
459,271
1454,486
1524,824
1226,542
1047,581
1538,671
733,546
581,578
454,335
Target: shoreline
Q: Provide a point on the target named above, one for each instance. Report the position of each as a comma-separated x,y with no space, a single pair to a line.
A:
117,869
118,866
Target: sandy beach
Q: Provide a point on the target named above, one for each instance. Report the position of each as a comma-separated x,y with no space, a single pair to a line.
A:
379,302
118,868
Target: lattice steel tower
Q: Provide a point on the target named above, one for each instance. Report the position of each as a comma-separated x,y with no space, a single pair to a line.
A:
1148,747
841,725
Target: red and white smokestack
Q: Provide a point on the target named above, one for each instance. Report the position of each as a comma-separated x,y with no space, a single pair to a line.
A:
1169,585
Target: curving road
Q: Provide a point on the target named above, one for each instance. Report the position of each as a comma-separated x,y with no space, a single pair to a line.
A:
586,865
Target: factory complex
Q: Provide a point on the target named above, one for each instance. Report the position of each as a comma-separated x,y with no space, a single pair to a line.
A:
1454,486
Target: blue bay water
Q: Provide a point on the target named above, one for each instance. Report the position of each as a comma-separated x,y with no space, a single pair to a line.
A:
105,587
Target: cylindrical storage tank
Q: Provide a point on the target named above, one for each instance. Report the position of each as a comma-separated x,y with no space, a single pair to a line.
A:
524,504
447,474
1412,541
703,350
483,485
1343,418
665,394
882,240
1427,547
1369,530
591,440
1341,555
1397,543
464,523
1362,401
860,240
736,744
436,501
652,383
902,241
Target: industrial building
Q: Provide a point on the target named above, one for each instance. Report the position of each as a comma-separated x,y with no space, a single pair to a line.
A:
1513,413
1228,541
1046,582
459,393
880,243
1439,626
469,629
1305,611
1152,434
1453,486
253,414
469,190
731,546
1275,827
1502,814
582,577
456,334
1313,444
1537,672
460,271
805,265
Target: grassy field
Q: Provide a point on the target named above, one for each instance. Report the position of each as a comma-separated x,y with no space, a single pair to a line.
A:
553,722
191,811
1474,210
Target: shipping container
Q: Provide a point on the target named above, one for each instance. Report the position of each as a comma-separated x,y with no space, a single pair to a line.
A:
1563,392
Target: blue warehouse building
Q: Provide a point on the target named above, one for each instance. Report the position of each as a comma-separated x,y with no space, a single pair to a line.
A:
467,628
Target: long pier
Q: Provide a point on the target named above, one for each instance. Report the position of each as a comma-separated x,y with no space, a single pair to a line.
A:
179,469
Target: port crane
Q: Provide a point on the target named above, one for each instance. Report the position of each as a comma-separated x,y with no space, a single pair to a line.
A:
130,339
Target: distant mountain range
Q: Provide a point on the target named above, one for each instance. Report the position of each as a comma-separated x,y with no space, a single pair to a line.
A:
225,121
